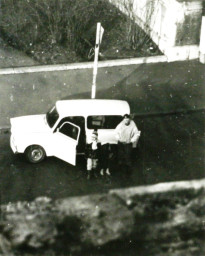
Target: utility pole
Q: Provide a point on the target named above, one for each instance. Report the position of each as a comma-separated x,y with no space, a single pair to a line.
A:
202,42
99,34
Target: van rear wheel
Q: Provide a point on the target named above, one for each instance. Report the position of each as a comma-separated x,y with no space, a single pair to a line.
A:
35,154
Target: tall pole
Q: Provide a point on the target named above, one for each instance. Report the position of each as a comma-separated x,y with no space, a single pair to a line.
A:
202,42
95,66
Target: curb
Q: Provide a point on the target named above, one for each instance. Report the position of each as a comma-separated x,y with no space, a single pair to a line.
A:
163,187
84,65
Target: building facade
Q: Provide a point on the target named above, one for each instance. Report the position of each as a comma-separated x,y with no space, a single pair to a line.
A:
174,25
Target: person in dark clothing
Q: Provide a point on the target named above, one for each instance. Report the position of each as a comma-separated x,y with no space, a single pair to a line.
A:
92,154
105,156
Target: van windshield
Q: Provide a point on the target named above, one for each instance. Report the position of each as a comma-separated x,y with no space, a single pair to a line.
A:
52,116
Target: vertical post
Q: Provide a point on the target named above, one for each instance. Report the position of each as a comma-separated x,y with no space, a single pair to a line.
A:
95,67
202,42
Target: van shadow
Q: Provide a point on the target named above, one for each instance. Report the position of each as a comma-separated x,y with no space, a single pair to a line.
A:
157,88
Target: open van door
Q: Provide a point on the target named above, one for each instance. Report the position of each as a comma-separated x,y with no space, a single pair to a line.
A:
65,140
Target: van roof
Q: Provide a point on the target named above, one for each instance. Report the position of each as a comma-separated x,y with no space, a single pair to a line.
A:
87,107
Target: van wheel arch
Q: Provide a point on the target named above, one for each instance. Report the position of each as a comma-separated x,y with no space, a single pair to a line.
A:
35,154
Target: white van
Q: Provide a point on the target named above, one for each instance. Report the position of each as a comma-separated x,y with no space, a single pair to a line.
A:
64,130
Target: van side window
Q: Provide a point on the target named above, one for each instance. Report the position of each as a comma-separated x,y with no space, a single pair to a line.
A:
103,122
69,130
78,120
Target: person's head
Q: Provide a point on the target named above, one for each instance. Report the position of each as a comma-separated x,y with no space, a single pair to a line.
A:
94,135
126,119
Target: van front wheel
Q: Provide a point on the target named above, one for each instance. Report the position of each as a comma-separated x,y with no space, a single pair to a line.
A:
35,154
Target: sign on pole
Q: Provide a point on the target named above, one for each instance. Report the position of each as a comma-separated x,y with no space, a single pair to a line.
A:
99,34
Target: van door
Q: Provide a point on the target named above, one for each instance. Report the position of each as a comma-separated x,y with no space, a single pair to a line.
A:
65,141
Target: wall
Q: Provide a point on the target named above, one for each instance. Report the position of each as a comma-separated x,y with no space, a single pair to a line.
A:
175,25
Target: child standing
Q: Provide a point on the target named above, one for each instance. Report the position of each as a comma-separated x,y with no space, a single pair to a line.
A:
91,154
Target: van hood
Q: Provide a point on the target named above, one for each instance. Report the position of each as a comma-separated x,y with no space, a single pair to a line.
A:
32,123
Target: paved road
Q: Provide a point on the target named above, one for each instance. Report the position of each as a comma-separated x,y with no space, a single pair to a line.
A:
171,148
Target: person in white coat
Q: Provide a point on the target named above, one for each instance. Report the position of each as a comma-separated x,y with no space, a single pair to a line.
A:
127,135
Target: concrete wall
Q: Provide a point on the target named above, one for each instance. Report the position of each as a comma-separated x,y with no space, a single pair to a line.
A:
175,25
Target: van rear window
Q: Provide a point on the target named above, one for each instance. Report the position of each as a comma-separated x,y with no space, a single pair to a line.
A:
103,122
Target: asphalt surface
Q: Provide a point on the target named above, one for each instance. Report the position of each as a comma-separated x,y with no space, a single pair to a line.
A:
171,148
167,99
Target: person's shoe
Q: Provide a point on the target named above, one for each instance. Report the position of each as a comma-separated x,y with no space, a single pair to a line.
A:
108,172
102,172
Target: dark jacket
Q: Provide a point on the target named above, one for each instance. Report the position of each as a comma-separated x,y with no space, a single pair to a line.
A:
90,153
